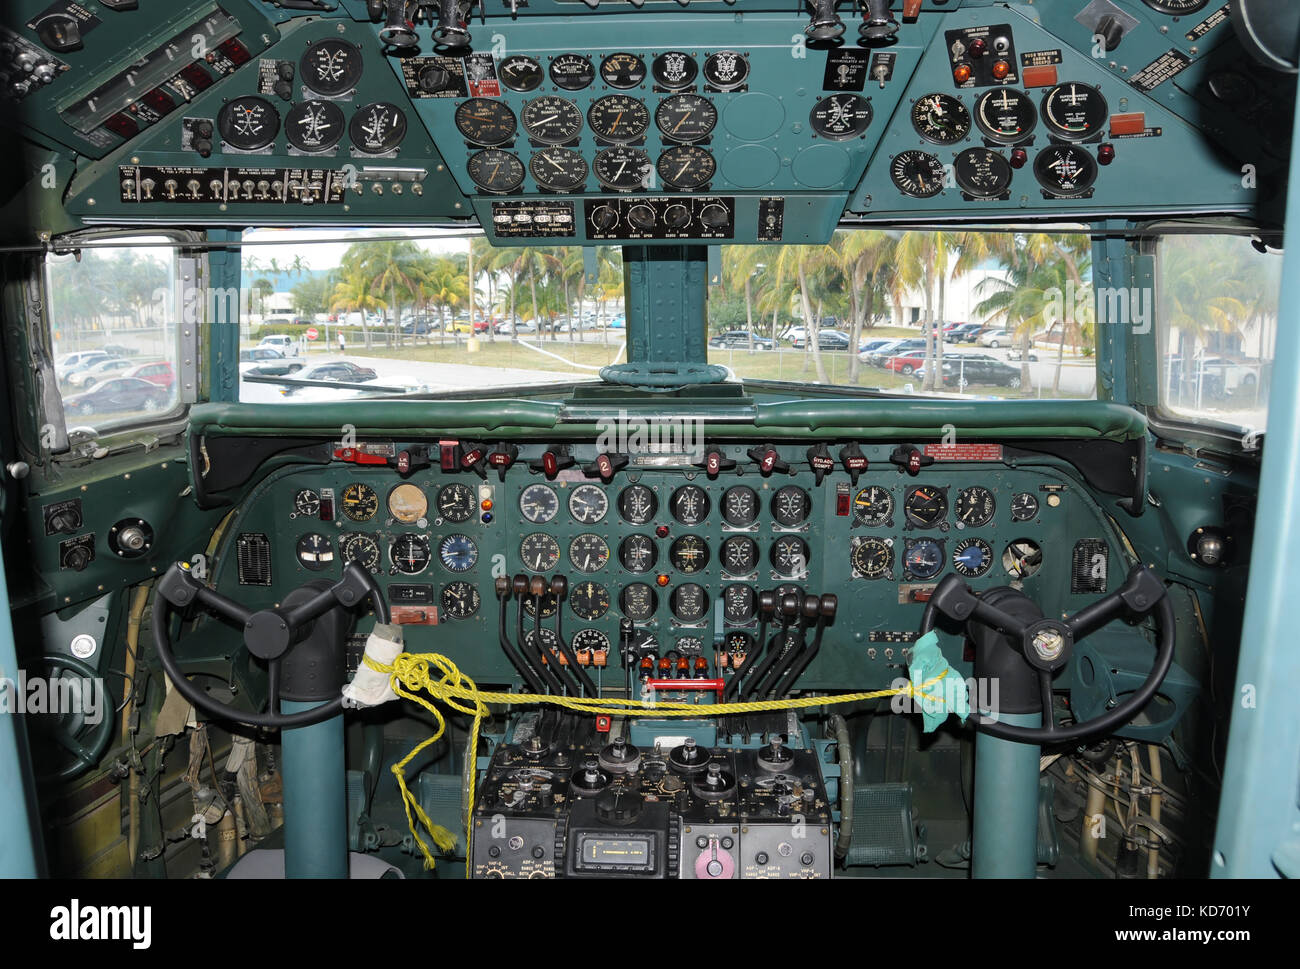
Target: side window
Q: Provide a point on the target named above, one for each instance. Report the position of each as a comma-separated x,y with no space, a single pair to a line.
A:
113,313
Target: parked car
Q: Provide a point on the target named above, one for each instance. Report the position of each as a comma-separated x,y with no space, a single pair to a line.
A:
906,363
826,340
342,371
739,340
287,345
88,376
617,323
996,338
117,395
878,358
968,333
70,363
962,370
118,350
1015,353
517,326
159,372
458,326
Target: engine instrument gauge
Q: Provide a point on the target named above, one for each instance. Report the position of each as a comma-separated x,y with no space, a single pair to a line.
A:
588,504
975,507
689,554
686,118
360,548
538,503
918,174
982,173
789,556
1022,558
737,646
539,552
551,120
410,554
740,506
791,506
923,558
331,67
1074,111
638,553
1066,171
686,167
739,604
307,502
495,171
485,122
941,119
689,602
455,503
378,128
618,118
925,506
739,555
972,557
572,72
872,558
622,169
589,600
314,552
249,123
674,70
726,70
548,604
459,600
873,506
457,553
407,504
360,503
1024,507
588,552
841,117
588,641
690,504
558,169
314,126
521,73
622,70
638,602
637,504
1005,115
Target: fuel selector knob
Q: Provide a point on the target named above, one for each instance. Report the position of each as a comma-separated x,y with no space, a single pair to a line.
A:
676,216
433,79
604,217
642,217
715,216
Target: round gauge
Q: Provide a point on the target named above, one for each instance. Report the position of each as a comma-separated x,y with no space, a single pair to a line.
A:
872,557
637,553
1005,115
686,118
873,506
637,504
690,504
622,70
558,169
789,556
485,122
918,174
925,506
1022,558
551,120
331,67
521,73
1066,171
674,70
455,503
726,70
495,171
738,645
689,644
459,600
975,507
572,72
738,555
545,636
314,126
982,173
379,128
972,557
548,604
841,117
923,558
589,600
538,503
622,169
686,167
1024,507
457,553
618,118
407,504
360,502
248,123
689,602
638,602
307,502
315,552
588,641
539,552
360,548
783,590
588,504
1176,7
588,553
410,554
791,506
739,603
941,119
740,506
1074,111
689,554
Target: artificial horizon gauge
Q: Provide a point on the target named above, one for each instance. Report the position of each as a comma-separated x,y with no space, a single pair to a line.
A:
873,506
307,502
407,503
738,555
457,553
1066,171
689,602
589,600
459,600
558,169
1005,115
638,553
1074,111
686,118
378,128
841,117
360,502
622,169
923,558
941,119
791,506
521,73
674,70
618,118
638,602
925,506
331,67
572,72
972,557
485,122
689,504
739,604
314,126
789,556
455,503
726,70
539,552
918,174
689,554
360,548
872,558
496,171
314,552
740,506
686,167
538,503
622,70
974,507
982,173
249,123
588,504
637,504
588,552
410,554
551,120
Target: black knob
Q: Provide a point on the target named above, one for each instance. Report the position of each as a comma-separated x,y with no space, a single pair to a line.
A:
604,217
806,858
203,129
618,805
433,79
760,858
642,216
66,522
715,216
203,147
676,216
76,558
283,90
1110,30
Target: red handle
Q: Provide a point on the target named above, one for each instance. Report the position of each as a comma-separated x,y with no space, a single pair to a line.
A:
717,686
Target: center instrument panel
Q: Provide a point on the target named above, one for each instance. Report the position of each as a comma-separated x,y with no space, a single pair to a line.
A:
668,573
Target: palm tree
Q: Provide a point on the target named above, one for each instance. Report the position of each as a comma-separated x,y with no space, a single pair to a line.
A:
803,264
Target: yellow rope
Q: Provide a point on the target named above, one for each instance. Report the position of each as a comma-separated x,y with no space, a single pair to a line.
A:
412,672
